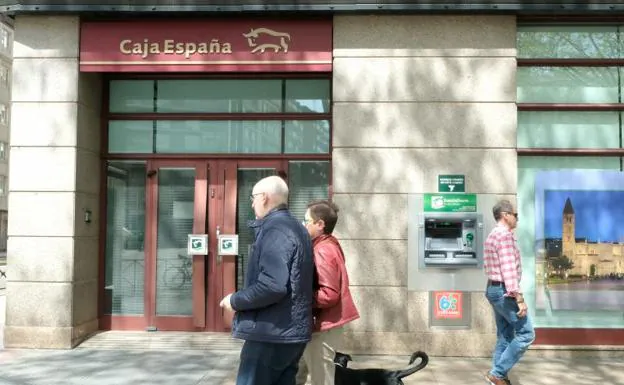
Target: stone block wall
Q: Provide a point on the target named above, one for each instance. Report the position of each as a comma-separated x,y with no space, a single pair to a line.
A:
414,97
55,146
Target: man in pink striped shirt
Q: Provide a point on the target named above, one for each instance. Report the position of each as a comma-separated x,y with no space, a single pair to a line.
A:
503,267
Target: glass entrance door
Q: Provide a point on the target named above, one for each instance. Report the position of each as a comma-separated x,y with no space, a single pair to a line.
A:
150,280
177,206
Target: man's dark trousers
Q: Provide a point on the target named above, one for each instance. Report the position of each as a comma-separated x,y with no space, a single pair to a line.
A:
264,363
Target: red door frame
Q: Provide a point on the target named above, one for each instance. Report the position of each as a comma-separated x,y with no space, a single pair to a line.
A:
201,209
216,191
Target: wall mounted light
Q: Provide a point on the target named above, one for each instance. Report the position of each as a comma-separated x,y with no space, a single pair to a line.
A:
87,216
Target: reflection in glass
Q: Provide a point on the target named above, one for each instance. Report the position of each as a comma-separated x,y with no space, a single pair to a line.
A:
131,96
569,41
568,129
306,136
176,197
568,85
218,136
130,136
308,95
5,77
6,41
220,95
307,181
125,233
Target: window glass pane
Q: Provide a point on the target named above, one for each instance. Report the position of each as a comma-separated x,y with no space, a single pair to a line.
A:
307,95
125,235
218,136
306,136
307,181
130,136
570,41
4,114
174,267
4,148
6,41
568,129
567,85
226,96
5,80
131,96
538,297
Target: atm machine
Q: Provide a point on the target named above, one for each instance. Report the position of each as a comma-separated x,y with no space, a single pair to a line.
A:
450,240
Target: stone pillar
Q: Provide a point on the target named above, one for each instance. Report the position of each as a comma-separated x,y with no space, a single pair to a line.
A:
55,137
416,96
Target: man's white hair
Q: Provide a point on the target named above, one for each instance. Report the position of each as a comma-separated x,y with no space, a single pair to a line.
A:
275,188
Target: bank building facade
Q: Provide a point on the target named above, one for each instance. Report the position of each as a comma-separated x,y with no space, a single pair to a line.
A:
136,133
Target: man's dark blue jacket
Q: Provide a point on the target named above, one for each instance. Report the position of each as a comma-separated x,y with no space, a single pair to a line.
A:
276,303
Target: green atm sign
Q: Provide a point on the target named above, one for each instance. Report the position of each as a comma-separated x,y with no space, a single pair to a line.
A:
451,183
451,203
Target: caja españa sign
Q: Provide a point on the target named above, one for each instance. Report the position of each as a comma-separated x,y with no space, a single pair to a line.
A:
206,45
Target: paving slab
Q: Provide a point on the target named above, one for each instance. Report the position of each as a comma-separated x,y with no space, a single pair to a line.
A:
120,358
119,367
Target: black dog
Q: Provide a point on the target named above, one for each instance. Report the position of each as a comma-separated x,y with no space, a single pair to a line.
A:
342,359
348,376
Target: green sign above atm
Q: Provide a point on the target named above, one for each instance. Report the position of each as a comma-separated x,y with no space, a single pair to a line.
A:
451,203
451,183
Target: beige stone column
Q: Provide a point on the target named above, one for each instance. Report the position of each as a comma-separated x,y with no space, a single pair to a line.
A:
55,130
416,96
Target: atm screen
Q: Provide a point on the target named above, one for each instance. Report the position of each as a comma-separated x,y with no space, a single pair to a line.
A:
443,229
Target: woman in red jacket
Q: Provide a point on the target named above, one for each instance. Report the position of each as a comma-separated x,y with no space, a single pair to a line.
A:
333,305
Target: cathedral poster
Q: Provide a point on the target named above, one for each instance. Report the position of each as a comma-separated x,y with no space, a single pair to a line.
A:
579,248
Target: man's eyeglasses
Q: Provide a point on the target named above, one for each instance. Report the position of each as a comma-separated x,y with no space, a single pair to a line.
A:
514,214
253,196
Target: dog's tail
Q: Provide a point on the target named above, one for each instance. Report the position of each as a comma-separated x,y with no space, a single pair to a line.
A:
424,360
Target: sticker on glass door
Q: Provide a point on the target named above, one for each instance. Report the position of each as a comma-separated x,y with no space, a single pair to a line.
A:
228,244
197,244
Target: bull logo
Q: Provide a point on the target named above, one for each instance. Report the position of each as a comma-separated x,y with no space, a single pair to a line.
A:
282,38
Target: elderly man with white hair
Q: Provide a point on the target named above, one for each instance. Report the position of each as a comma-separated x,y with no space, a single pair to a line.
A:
274,309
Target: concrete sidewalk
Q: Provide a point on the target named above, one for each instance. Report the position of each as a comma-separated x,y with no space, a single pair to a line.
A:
132,358
194,367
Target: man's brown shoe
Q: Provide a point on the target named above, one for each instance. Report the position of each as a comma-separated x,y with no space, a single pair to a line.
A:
493,380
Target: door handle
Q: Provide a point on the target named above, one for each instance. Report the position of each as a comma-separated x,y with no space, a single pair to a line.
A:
219,257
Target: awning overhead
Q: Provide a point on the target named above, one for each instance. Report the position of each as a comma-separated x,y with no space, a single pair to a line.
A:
549,7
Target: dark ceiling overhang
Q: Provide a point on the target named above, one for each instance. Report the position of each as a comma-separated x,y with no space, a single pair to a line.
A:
549,7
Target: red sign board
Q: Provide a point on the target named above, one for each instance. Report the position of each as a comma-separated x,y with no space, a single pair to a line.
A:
246,45
448,305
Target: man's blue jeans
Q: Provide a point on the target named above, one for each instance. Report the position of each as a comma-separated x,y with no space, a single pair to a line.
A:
263,363
514,335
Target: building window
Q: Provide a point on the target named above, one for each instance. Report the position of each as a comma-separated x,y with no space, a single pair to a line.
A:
4,148
245,116
6,41
4,114
570,145
3,185
4,75
4,221
271,126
